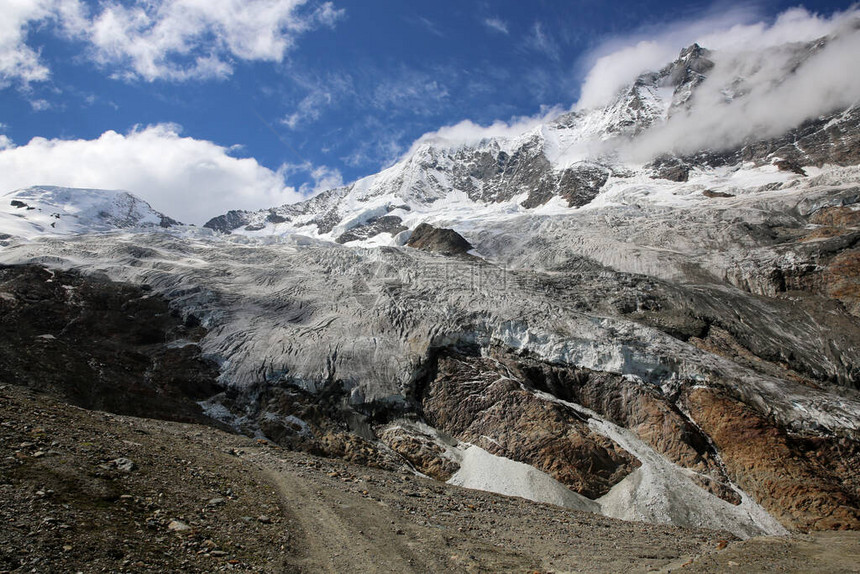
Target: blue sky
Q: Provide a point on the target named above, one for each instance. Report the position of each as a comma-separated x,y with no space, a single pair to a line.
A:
309,93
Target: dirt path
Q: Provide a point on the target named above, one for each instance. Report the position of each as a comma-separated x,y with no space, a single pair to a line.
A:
338,535
337,531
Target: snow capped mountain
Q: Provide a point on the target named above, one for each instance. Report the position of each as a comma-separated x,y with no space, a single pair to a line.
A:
654,303
58,210
582,158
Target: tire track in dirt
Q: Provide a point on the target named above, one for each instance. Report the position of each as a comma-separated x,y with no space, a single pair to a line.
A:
338,531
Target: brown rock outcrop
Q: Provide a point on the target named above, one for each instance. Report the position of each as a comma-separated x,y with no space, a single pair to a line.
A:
424,454
473,399
445,241
799,480
640,407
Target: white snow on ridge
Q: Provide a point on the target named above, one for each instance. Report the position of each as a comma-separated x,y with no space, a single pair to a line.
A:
49,210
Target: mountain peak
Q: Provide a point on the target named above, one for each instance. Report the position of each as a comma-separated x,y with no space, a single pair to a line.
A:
62,210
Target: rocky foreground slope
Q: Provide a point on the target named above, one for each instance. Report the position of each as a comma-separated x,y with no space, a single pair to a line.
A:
675,341
91,491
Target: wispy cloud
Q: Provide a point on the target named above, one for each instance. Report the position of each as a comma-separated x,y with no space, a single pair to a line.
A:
411,90
428,25
375,105
309,109
380,151
496,25
174,40
540,40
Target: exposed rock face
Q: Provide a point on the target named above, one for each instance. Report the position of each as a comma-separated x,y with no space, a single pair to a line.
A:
321,210
384,224
833,139
671,168
445,241
578,185
641,407
798,479
420,450
231,220
495,175
473,399
101,345
688,71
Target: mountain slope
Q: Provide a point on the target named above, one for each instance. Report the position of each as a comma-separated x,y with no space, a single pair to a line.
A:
58,210
674,336
569,161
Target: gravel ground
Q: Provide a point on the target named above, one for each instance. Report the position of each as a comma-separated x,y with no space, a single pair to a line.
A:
86,491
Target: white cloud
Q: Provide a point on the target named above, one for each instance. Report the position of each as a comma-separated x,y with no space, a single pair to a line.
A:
496,24
763,92
5,142
469,133
324,178
40,105
188,179
18,61
618,61
189,39
616,70
162,39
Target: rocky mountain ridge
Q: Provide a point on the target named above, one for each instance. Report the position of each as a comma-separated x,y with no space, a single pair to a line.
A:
571,157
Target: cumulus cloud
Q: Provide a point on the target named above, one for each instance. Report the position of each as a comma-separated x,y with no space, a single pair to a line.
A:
18,61
162,39
322,177
189,179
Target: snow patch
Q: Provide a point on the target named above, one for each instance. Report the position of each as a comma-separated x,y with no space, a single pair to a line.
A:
481,470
